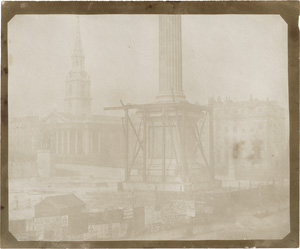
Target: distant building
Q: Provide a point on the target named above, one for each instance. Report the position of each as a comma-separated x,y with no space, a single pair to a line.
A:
59,205
250,137
24,136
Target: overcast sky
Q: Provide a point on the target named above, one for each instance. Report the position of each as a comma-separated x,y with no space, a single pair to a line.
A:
223,55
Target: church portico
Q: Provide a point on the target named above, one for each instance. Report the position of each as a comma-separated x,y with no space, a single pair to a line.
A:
84,143
75,136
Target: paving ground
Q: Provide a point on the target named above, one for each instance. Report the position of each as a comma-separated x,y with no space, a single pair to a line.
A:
101,192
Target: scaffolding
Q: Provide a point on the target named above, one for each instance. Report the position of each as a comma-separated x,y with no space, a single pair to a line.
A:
181,113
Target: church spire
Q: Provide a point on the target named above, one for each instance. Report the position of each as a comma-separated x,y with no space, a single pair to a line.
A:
78,46
77,87
78,55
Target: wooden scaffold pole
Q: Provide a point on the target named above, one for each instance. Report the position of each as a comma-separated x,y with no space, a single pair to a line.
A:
211,141
164,146
145,147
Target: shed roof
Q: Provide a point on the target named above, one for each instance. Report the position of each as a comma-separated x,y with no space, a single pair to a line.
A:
61,201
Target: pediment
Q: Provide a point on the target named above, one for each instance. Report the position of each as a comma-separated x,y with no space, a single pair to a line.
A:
55,118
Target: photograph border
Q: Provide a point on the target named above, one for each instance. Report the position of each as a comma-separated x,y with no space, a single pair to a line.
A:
288,10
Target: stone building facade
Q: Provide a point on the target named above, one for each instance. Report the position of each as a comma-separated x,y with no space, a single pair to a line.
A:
251,139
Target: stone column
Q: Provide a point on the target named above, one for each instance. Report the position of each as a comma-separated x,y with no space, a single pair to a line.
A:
170,59
99,141
68,141
76,141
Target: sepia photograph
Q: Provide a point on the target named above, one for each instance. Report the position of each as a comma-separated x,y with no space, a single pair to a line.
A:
148,127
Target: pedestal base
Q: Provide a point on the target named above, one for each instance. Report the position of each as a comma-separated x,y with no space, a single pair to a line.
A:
196,174
231,173
170,187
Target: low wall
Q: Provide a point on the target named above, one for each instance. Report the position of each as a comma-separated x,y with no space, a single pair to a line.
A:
22,169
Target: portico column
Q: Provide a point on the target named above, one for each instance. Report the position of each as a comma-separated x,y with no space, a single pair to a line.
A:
99,140
56,142
85,141
76,141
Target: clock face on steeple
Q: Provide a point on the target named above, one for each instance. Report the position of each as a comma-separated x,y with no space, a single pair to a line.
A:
77,99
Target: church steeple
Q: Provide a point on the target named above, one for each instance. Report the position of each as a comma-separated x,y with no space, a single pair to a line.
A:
78,47
77,96
78,55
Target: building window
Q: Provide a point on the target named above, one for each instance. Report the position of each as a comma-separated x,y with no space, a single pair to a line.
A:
218,156
70,90
226,140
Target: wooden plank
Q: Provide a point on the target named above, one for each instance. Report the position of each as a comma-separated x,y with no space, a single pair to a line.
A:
145,147
164,146
211,141
185,105
126,146
202,125
200,146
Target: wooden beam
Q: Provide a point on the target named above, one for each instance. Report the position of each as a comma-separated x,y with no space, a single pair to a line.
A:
211,142
173,146
200,146
134,158
133,128
183,160
135,132
202,152
184,105
126,147
164,146
145,147
185,166
136,152
202,126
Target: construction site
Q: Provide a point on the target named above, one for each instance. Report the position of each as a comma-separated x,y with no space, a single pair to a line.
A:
166,176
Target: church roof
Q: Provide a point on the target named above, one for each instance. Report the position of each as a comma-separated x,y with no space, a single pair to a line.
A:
58,117
64,117
106,118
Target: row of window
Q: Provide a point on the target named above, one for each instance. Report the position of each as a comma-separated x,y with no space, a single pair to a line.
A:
245,110
236,128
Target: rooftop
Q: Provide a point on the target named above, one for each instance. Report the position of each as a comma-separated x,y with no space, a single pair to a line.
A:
61,201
